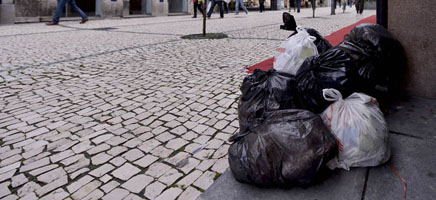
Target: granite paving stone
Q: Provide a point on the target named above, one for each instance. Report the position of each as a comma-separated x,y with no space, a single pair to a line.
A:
137,183
94,195
51,175
170,194
189,193
125,172
86,189
153,190
116,194
102,170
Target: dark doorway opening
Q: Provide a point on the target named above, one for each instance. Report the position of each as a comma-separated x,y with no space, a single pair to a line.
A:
87,6
140,7
135,7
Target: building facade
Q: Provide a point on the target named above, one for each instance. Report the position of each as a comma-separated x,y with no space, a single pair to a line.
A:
20,11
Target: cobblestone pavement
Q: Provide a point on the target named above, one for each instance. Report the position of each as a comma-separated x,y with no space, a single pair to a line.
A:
124,108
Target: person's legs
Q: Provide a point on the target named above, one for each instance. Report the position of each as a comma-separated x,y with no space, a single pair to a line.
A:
59,10
357,6
220,6
78,10
243,7
200,7
195,9
226,8
299,5
237,7
362,3
212,6
262,7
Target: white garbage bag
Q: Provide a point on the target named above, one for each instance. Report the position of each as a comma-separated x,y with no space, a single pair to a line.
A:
360,129
292,52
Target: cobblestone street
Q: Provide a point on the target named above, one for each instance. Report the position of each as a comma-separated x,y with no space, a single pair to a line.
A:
125,108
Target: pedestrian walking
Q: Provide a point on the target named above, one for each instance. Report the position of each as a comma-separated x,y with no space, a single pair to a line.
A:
220,6
198,4
60,8
298,6
240,2
226,6
291,4
359,6
261,5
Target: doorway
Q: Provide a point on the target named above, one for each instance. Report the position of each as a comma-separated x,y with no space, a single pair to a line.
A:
140,7
87,6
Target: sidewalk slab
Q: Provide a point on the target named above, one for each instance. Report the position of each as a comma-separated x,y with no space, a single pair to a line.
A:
414,116
341,184
415,161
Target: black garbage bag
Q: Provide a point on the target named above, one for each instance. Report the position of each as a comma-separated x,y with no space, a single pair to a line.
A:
265,91
287,148
322,44
331,69
387,63
364,63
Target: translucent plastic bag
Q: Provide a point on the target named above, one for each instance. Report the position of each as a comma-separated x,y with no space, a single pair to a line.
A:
360,129
292,53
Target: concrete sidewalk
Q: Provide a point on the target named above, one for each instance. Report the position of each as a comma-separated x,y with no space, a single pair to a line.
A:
412,125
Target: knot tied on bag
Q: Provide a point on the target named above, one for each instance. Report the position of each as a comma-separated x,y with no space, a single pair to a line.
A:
331,94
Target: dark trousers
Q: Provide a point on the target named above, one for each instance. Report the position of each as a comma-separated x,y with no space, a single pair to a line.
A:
220,6
226,7
60,8
359,6
199,7
262,6
298,5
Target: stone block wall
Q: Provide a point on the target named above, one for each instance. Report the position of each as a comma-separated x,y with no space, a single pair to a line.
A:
413,24
112,8
27,8
159,8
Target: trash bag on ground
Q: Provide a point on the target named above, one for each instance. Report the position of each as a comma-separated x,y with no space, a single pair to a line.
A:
331,69
292,53
322,44
265,91
387,58
287,148
360,129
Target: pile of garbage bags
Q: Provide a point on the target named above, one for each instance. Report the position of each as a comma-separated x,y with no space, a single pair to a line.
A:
317,108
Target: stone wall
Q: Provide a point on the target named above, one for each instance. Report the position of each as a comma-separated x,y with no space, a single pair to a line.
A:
47,7
7,12
27,8
159,8
112,8
413,23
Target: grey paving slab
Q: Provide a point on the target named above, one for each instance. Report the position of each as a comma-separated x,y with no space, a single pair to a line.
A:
414,159
414,116
340,185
